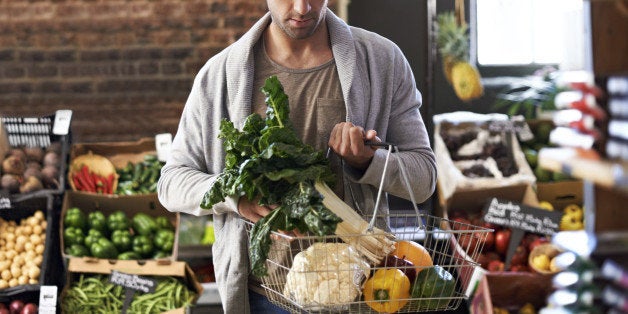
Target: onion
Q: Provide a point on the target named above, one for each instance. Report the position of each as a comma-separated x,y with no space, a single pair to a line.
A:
29,308
16,306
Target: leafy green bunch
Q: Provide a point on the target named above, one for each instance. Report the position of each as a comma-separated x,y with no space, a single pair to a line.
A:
267,160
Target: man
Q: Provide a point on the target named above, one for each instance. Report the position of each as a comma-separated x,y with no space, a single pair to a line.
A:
345,86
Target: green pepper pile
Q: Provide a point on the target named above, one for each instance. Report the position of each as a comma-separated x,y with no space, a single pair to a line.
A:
117,236
139,178
95,294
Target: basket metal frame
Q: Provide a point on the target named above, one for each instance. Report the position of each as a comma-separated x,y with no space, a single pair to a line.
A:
440,237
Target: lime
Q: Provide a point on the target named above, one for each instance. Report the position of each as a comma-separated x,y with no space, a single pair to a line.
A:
542,175
542,132
559,176
531,157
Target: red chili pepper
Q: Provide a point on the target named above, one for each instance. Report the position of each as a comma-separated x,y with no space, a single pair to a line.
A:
110,179
91,185
77,182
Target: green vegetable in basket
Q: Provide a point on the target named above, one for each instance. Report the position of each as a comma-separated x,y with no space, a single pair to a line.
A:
118,221
122,240
164,240
435,285
92,237
143,245
73,235
77,250
161,254
129,255
74,217
97,220
144,224
103,248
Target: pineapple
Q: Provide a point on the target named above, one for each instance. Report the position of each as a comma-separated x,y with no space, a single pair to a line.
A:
453,45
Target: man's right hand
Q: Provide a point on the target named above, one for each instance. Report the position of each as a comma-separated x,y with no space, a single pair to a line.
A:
251,210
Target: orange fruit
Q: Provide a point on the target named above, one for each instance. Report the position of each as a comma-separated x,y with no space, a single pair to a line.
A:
413,252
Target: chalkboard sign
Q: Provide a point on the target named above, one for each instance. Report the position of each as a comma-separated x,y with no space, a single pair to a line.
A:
133,282
519,216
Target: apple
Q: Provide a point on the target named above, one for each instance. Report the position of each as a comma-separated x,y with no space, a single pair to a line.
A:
520,257
502,237
538,241
485,258
495,265
519,268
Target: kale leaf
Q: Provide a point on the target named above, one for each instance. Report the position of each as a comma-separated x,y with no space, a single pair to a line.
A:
268,160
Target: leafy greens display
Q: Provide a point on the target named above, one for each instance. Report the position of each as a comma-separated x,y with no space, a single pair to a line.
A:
267,160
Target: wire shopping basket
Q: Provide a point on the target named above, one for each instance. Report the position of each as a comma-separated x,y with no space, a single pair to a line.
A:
328,275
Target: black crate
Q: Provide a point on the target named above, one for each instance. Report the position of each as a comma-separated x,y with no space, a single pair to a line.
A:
38,132
51,268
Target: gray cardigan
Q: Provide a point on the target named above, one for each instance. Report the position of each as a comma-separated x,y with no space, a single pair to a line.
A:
380,94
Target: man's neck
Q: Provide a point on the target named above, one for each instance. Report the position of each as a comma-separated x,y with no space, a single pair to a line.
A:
297,53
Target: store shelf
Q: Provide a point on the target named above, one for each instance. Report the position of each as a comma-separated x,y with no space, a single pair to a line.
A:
186,252
601,172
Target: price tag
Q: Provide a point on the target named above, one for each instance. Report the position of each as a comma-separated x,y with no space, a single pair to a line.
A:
47,298
5,199
131,283
162,145
520,218
61,125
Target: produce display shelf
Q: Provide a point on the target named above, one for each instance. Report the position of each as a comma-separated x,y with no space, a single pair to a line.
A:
612,174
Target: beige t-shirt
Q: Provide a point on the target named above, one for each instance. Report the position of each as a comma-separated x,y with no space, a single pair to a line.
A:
315,99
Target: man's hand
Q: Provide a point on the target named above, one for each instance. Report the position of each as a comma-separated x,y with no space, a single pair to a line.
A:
251,210
347,140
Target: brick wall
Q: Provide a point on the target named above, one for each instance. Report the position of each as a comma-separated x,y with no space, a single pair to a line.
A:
125,68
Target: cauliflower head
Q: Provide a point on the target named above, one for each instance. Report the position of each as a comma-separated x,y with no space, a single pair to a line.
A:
326,274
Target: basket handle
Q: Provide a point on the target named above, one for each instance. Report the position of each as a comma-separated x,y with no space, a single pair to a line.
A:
404,175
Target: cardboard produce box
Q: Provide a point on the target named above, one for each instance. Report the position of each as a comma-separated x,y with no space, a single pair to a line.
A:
108,204
561,193
472,156
505,289
136,163
133,276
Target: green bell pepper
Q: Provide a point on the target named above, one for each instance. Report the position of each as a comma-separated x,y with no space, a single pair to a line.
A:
74,217
435,286
164,240
143,245
118,221
129,255
97,220
92,237
73,235
122,240
144,224
77,250
161,254
164,223
103,248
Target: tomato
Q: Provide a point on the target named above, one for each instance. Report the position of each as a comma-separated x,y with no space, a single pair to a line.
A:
502,237
520,257
496,265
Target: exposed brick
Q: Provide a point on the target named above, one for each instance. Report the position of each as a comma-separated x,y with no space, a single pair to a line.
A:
22,88
7,55
99,55
13,71
234,21
48,87
169,68
141,53
218,7
39,71
62,56
177,53
32,55
148,68
78,87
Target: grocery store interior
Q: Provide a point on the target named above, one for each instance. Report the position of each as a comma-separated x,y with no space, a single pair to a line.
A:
526,108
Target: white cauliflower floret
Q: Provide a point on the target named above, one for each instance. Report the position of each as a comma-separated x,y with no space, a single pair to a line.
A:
326,274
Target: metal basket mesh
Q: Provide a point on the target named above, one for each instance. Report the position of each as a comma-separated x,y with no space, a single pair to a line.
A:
338,289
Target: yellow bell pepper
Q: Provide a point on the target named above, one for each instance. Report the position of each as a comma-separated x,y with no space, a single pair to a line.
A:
387,291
